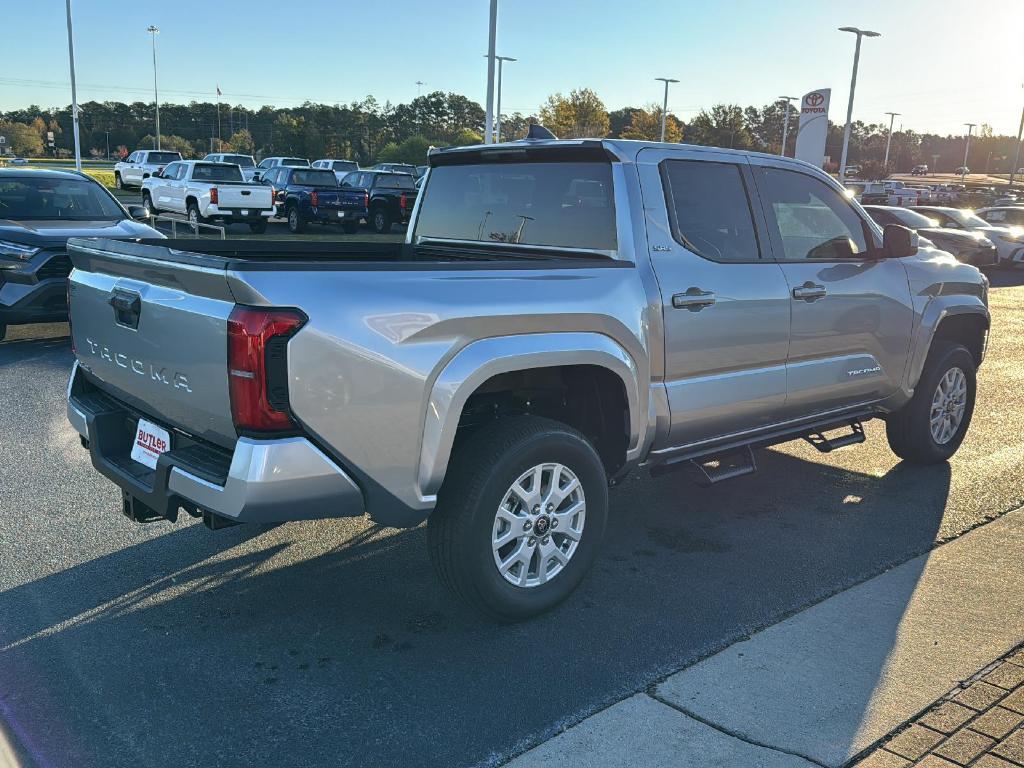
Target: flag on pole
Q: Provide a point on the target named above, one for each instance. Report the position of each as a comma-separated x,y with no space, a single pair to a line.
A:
218,91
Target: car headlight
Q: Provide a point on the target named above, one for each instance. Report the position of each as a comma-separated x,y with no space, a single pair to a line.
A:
16,251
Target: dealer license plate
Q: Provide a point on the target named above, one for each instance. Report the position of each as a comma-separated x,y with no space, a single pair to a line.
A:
150,442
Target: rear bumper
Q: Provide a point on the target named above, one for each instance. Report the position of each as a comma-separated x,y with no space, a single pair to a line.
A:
261,481
235,214
332,215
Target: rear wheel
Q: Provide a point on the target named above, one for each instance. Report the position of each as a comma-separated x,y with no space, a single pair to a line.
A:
147,203
520,517
194,217
381,221
258,227
295,223
930,428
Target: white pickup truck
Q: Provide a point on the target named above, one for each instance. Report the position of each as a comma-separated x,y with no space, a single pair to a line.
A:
140,165
206,191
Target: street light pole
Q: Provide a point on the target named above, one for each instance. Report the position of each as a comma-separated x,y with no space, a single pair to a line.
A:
967,148
74,90
497,111
664,103
491,35
785,124
153,32
1016,152
853,87
888,141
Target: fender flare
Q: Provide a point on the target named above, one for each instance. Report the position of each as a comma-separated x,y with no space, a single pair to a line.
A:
481,360
937,310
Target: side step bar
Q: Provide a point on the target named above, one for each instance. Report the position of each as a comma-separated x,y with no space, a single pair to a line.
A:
718,469
829,444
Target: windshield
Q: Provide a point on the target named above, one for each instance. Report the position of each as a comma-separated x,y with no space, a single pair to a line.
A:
913,219
295,162
162,158
50,199
561,205
216,172
243,160
315,178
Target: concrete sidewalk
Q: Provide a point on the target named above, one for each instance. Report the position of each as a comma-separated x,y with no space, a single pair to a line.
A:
824,685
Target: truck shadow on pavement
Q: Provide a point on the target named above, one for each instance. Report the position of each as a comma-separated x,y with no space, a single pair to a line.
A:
332,643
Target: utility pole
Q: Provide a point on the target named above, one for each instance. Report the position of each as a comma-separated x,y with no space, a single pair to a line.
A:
153,32
785,124
860,33
74,90
664,103
888,141
1016,152
108,142
419,88
967,148
491,35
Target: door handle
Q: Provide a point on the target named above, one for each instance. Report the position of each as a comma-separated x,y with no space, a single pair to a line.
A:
809,291
694,299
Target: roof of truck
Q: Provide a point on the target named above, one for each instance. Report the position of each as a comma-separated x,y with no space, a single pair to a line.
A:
43,173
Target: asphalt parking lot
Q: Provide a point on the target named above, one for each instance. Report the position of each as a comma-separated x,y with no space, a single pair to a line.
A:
331,642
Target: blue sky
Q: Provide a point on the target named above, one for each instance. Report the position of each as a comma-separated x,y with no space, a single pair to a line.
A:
939,62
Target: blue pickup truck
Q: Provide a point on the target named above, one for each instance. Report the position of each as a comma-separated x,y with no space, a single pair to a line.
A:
304,195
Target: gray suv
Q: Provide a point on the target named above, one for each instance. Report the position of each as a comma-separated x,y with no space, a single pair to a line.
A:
560,314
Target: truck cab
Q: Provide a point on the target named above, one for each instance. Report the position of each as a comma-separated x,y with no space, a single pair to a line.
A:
140,165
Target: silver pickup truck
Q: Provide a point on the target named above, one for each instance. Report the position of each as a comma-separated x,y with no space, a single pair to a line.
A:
560,313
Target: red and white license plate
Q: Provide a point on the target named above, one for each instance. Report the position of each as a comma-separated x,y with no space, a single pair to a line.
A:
150,442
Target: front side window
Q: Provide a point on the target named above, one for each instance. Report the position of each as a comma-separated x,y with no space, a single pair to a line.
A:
808,218
710,210
171,171
556,204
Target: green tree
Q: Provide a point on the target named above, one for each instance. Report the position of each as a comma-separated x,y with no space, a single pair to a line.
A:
412,150
722,126
174,143
467,137
22,139
241,142
645,124
580,114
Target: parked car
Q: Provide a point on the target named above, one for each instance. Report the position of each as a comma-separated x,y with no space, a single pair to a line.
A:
888,193
140,165
1003,215
304,195
1005,198
852,171
275,162
396,168
39,211
523,349
341,168
208,192
972,248
247,163
963,170
1009,240
391,196
19,161
919,170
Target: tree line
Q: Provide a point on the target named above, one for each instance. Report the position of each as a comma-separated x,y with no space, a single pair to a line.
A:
368,131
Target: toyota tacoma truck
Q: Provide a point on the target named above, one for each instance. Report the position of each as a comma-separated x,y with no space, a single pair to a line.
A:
140,165
559,314
206,191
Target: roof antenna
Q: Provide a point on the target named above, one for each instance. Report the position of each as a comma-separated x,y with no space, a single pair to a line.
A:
538,132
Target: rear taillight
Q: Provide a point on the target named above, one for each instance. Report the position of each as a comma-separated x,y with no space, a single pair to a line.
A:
314,199
366,199
258,367
214,196
403,202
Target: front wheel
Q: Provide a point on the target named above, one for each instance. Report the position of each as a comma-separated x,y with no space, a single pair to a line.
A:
118,181
519,518
930,428
381,221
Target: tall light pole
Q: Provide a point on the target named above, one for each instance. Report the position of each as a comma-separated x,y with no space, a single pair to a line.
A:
153,32
664,103
419,88
860,33
491,35
785,124
967,148
1016,152
74,91
497,110
888,141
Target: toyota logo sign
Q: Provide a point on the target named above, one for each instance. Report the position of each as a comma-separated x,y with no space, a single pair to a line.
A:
814,99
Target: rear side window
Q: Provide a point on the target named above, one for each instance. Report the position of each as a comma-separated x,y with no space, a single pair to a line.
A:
809,218
162,158
295,162
216,172
710,209
397,181
314,177
561,205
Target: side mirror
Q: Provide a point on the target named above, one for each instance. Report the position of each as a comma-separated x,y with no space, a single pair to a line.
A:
138,212
898,241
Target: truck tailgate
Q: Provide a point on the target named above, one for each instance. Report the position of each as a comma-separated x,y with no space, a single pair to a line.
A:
256,196
153,332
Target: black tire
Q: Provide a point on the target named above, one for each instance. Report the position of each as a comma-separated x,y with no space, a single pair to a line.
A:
380,220
295,223
909,430
118,182
147,203
482,471
194,217
350,227
258,227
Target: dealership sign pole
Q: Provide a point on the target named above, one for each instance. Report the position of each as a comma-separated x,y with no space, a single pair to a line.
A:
74,91
812,129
